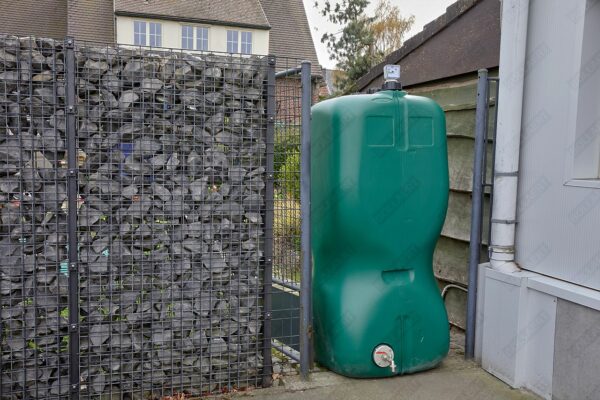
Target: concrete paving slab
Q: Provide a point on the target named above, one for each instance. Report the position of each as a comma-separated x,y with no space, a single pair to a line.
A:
454,379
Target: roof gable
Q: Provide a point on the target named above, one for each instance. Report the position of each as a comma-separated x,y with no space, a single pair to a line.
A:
290,32
462,40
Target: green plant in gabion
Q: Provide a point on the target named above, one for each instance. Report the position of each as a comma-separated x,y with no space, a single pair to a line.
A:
287,141
289,176
287,161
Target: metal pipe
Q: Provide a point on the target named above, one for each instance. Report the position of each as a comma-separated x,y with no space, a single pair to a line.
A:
292,286
269,209
452,286
508,142
269,217
288,72
72,172
306,256
286,350
494,134
476,209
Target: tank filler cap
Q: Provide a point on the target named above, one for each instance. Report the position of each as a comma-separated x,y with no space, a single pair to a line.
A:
383,357
391,77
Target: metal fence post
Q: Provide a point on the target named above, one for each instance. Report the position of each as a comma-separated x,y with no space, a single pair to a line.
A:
481,117
269,210
306,256
71,132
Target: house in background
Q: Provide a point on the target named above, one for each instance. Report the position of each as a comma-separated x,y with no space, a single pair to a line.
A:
291,41
258,27
441,62
209,25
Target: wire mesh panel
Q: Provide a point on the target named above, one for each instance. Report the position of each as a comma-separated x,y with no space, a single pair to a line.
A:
287,211
172,165
33,234
150,207
160,158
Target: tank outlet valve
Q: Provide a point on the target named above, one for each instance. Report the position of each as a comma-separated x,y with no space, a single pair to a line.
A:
383,356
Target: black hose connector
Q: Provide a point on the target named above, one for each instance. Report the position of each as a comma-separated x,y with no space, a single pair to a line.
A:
391,85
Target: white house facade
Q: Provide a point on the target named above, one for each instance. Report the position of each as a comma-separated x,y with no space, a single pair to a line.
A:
538,327
191,35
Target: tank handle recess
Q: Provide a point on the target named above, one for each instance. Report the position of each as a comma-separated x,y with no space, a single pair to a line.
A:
391,78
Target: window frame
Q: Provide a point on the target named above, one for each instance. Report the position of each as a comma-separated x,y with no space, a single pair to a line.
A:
149,35
189,39
233,37
138,34
583,150
203,40
245,45
154,39
195,37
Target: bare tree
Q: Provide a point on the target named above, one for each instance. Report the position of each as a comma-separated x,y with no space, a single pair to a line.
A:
389,28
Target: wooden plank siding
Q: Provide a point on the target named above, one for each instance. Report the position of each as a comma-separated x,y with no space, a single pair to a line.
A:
457,96
441,62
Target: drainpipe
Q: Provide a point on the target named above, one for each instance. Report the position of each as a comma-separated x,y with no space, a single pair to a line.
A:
513,48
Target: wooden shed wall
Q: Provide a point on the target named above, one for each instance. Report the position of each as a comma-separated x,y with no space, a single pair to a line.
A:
457,97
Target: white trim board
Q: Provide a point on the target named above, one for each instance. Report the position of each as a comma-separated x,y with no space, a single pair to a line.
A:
564,290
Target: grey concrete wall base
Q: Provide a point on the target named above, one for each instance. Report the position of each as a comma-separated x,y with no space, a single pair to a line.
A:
576,352
539,333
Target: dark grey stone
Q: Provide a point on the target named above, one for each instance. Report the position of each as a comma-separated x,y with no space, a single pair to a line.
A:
136,70
7,59
127,99
111,82
217,346
151,85
213,98
212,73
95,68
146,147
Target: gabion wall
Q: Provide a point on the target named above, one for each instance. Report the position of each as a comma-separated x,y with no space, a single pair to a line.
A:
170,153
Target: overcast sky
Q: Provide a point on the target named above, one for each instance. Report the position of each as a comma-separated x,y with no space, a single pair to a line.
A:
423,10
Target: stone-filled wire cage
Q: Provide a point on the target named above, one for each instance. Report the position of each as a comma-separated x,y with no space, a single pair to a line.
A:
137,202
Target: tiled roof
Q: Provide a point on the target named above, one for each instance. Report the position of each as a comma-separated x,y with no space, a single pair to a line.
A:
290,32
452,14
236,12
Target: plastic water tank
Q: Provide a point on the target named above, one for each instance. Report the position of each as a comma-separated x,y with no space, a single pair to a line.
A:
379,200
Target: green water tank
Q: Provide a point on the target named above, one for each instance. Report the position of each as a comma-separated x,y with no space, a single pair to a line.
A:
379,200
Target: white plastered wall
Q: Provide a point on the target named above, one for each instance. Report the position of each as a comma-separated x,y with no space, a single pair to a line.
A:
171,34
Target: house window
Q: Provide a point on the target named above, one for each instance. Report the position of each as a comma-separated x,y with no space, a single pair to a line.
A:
139,33
155,34
187,37
247,42
201,38
194,35
232,41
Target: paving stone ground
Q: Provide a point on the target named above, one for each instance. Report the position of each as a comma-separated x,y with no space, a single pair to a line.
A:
454,379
